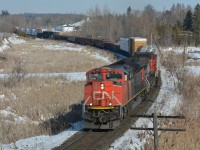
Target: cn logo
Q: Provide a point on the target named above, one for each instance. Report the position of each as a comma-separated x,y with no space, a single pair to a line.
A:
103,95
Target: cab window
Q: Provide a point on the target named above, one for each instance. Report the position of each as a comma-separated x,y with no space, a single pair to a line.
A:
113,76
95,77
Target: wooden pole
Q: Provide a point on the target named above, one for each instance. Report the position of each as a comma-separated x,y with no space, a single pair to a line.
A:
155,126
155,123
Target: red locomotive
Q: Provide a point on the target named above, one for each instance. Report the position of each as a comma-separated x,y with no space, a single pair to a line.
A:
110,91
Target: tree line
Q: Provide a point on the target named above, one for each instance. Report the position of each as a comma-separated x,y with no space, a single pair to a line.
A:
169,27
32,20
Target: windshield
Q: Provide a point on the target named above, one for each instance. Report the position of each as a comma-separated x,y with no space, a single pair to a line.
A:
95,77
113,76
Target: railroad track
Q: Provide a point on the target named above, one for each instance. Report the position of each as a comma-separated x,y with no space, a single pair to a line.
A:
78,142
71,141
102,139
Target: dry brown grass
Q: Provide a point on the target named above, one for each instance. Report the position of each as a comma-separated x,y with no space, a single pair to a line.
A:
190,139
38,59
175,64
12,132
44,104
194,63
38,100
190,108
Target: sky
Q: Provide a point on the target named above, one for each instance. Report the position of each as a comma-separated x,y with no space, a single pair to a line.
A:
82,6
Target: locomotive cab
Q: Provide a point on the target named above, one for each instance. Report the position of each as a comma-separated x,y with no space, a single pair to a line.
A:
103,96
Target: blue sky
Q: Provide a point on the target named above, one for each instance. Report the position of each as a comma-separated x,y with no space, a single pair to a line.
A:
82,6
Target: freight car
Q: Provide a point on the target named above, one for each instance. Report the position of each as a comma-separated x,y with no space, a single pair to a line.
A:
110,91
127,47
132,44
99,43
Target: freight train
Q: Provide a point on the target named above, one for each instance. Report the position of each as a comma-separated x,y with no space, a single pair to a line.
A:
111,91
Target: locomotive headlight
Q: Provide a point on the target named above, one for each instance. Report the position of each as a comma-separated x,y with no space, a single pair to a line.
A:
110,104
90,104
102,86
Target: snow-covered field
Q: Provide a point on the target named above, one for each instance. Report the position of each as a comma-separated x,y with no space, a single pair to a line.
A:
166,102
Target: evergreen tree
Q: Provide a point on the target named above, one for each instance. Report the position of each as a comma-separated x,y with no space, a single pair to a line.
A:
196,24
196,19
188,21
4,13
129,10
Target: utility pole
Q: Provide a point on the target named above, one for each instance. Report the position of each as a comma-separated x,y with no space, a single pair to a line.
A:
155,128
155,123
151,39
185,34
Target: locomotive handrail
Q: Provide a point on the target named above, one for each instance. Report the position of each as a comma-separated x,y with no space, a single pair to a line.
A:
101,107
147,83
135,95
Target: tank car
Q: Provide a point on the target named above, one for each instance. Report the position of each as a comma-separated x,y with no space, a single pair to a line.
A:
111,90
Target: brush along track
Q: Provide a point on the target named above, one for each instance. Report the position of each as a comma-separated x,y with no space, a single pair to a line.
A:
100,140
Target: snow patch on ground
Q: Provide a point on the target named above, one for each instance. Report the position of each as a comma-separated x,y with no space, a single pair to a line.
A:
17,119
71,76
45,141
14,39
63,47
73,47
4,46
2,97
100,57
193,52
193,70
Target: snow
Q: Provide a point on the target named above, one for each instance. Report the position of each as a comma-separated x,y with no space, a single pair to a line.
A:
100,57
192,52
71,76
16,39
4,46
17,119
75,48
63,47
44,141
165,103
195,70
2,97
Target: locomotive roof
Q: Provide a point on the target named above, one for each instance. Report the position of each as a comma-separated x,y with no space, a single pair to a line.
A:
145,54
132,64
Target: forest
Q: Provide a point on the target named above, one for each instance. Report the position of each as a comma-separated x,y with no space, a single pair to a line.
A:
169,27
